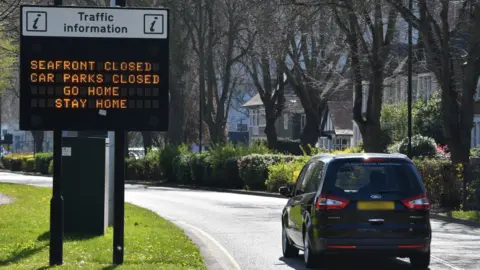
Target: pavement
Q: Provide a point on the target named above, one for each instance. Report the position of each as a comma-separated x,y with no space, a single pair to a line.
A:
237,231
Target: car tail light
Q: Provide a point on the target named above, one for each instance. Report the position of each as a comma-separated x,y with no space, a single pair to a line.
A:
330,202
412,246
419,202
342,247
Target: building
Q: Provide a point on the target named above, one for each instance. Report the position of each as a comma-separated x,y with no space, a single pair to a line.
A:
336,130
288,126
424,85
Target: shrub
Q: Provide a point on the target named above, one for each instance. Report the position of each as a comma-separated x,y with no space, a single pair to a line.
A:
28,164
289,147
426,119
421,147
14,162
168,154
233,174
350,150
181,169
258,147
42,161
283,173
199,168
475,152
442,181
253,169
50,168
392,121
135,169
217,158
473,188
152,165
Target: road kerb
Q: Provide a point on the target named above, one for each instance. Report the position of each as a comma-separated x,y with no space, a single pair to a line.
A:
236,191
455,220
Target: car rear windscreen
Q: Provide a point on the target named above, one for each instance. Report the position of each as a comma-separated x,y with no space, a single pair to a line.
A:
348,178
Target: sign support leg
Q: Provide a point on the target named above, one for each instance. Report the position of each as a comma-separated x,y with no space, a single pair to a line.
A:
56,203
119,198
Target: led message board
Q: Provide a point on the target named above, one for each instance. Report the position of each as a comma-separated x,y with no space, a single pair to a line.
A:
94,69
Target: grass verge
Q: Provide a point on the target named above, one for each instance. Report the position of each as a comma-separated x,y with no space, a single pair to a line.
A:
467,215
150,241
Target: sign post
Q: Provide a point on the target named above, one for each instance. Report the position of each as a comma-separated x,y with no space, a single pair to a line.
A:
93,68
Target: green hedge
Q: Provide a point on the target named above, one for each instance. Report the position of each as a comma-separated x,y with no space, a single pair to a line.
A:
253,169
27,162
42,162
442,180
257,168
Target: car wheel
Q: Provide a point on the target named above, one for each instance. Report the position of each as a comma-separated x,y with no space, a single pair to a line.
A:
288,249
420,261
310,259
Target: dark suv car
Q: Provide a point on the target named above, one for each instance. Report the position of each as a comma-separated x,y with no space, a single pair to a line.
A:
357,204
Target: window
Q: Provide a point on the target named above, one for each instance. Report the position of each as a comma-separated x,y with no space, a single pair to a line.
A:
398,90
252,118
285,121
414,89
476,133
300,179
341,143
403,89
425,86
306,185
257,117
262,119
313,177
361,179
303,121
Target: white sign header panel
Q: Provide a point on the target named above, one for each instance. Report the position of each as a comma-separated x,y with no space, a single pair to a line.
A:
94,22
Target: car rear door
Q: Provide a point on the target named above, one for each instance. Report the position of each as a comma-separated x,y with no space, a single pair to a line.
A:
370,198
294,210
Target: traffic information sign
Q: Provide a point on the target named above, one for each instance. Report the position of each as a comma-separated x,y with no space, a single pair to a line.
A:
94,68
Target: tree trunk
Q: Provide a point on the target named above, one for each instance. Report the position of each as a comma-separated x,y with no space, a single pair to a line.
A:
147,141
270,129
311,132
38,140
179,69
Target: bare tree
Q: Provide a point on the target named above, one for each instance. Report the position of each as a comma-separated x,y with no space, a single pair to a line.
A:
219,38
452,53
317,63
263,63
369,27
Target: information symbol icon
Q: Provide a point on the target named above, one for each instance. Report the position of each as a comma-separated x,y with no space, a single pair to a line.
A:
153,24
36,21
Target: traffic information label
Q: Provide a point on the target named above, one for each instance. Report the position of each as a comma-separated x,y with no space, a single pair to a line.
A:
94,69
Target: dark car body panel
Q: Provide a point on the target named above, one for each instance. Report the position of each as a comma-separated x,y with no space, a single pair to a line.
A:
396,232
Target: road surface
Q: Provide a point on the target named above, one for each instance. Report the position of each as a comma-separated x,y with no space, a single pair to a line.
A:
243,231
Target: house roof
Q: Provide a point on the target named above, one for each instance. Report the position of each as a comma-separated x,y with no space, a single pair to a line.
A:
419,64
254,101
343,91
342,115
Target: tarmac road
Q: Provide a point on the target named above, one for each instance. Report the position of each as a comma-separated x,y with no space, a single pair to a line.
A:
237,231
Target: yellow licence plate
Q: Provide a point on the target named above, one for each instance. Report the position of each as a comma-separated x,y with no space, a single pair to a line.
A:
376,205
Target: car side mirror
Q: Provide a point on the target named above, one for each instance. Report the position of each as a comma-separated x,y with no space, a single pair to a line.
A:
285,191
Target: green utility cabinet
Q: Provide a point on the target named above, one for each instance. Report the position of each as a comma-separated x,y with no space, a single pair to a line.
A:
84,186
